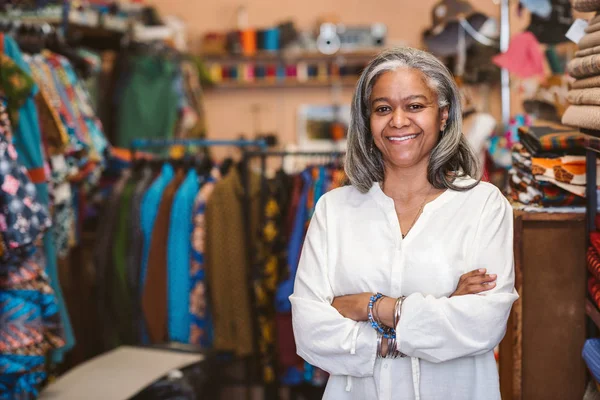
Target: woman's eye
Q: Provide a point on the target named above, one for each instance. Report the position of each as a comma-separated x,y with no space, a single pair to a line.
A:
414,107
382,109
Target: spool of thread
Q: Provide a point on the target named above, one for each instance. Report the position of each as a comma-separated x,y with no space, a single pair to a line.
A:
271,39
260,72
291,71
234,44
271,72
249,42
216,73
302,71
323,72
281,72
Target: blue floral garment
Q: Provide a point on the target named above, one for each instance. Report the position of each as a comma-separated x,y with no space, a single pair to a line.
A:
30,324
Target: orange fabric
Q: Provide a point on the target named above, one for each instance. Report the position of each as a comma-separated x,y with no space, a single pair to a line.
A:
37,175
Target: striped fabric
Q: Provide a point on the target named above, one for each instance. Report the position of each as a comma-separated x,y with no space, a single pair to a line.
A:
591,356
593,262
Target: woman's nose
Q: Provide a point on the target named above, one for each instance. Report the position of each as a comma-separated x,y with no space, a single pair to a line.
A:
399,119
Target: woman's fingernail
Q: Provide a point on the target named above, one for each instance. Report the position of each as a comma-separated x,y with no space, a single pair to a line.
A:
482,270
493,276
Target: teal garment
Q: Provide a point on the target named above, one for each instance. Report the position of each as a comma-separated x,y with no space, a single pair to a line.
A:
149,209
27,141
149,102
179,250
27,135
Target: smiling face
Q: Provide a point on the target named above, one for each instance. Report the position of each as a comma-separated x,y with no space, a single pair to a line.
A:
405,118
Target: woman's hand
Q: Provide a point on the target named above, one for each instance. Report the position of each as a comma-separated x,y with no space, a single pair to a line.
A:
353,306
475,282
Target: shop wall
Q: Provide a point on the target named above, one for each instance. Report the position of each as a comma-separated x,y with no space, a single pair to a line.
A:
230,112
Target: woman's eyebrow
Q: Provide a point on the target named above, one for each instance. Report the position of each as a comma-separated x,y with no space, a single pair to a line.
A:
405,99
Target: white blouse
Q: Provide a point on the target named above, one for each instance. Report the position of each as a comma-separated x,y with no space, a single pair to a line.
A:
354,245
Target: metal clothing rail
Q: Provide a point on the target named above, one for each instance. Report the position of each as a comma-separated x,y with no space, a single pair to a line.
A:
137,144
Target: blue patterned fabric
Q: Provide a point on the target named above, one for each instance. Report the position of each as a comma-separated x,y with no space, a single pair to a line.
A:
179,249
591,356
30,322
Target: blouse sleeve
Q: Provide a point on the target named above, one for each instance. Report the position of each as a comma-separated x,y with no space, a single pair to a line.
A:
324,338
442,329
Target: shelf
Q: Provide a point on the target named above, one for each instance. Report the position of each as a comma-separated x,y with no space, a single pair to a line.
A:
363,54
287,84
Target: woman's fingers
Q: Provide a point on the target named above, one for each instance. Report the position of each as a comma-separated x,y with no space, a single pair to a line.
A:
478,284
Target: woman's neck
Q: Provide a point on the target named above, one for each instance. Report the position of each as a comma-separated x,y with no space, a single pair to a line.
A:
404,184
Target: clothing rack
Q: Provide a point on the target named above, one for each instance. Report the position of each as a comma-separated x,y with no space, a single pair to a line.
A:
271,391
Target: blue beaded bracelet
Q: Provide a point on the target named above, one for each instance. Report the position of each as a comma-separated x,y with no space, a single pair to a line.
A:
388,333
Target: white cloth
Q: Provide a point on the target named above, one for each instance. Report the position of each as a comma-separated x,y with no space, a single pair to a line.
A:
354,245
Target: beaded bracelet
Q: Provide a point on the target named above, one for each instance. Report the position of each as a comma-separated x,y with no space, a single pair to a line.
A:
387,333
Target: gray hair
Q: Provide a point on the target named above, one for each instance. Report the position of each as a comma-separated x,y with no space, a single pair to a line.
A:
452,157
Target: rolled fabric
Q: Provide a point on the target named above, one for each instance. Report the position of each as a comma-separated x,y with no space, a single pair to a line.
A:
588,52
588,97
589,40
583,67
591,82
586,5
587,117
592,28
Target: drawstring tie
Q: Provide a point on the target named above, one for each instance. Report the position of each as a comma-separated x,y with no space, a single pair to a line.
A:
416,375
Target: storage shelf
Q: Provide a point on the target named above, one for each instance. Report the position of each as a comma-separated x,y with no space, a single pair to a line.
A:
349,81
363,54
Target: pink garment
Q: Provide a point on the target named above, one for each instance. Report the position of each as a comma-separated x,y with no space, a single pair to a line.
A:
524,56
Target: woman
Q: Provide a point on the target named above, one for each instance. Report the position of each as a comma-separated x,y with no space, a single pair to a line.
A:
411,226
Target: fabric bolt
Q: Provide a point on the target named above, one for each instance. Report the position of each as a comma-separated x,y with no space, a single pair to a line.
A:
589,96
591,28
575,189
591,356
179,248
595,241
227,263
539,139
593,262
150,206
149,104
524,189
567,169
201,326
589,40
587,117
594,290
442,336
586,5
584,67
154,291
591,50
591,82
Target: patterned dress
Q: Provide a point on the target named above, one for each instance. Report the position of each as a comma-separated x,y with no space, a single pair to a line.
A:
30,325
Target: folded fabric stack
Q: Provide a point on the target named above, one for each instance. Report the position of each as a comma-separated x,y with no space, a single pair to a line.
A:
548,168
584,96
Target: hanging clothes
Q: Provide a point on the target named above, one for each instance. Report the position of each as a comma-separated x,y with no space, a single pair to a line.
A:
31,325
154,296
27,140
227,261
201,325
179,249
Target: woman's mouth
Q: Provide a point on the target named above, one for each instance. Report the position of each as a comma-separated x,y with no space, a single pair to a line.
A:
401,139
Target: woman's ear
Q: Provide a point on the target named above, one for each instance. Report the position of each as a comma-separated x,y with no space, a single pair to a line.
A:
444,112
